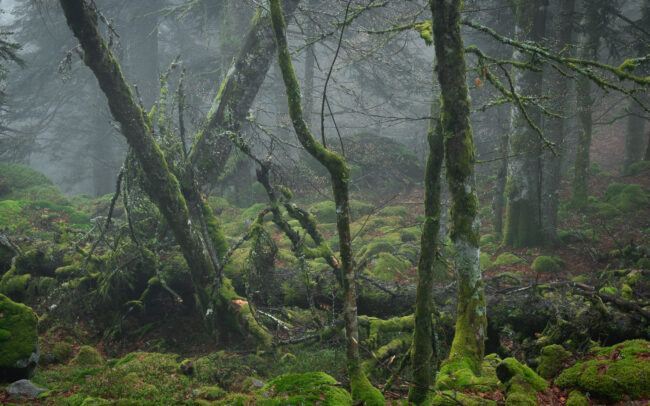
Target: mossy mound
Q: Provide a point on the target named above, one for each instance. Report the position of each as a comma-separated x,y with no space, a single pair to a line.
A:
576,398
455,398
87,355
457,375
308,388
521,382
544,263
18,340
15,177
325,211
637,167
551,359
387,267
507,259
391,211
622,369
485,261
626,197
359,208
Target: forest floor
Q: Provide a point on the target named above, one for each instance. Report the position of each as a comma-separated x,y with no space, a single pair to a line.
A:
171,346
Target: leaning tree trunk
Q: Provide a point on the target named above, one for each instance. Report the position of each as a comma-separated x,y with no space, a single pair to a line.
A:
340,175
232,104
471,323
424,343
214,300
523,210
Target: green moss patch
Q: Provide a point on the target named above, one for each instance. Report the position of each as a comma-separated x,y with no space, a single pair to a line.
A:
544,263
18,324
308,388
622,369
325,212
14,177
87,355
507,259
551,359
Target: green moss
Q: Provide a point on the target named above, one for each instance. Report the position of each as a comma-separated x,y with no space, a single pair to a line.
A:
15,177
457,374
308,388
87,355
551,359
325,212
21,322
455,398
410,233
359,209
391,211
488,239
387,267
605,210
626,197
62,351
626,292
510,368
485,260
611,290
637,167
363,390
9,211
544,263
507,259
576,398
622,369
212,392
643,263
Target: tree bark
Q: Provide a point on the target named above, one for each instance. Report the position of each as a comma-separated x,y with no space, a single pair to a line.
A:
212,145
340,176
585,102
523,210
555,128
471,323
424,343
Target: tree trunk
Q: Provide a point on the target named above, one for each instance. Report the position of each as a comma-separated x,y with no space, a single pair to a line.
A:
635,136
555,128
524,172
471,323
424,344
583,90
498,200
212,146
340,175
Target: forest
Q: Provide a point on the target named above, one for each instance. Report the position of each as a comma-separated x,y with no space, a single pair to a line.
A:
334,202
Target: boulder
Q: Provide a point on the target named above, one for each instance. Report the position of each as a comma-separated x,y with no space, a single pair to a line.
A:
19,353
24,388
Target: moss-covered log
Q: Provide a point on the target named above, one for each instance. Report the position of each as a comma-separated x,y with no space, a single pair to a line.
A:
471,320
340,176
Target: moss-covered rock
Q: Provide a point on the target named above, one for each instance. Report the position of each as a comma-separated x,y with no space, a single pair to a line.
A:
87,355
19,351
521,382
455,398
456,374
507,259
485,260
62,351
308,388
576,398
325,211
545,263
551,359
387,267
622,369
359,209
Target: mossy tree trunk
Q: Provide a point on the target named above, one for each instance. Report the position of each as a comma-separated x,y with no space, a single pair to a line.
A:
214,300
424,343
523,190
471,323
340,176
555,128
585,102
